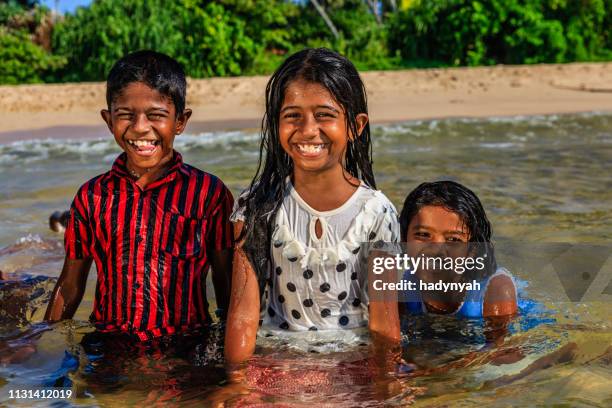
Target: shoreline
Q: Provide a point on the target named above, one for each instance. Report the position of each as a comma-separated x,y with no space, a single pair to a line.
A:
86,132
72,110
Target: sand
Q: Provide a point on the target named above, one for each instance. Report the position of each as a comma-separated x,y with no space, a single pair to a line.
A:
72,110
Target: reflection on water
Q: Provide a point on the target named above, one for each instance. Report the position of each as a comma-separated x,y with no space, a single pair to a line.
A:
541,179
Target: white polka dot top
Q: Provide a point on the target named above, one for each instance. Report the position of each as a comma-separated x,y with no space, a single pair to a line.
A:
320,283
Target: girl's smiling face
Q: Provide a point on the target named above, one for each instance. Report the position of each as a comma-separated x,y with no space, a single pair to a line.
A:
436,224
312,127
437,232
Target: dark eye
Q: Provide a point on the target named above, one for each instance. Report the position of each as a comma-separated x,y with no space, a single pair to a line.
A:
124,116
422,234
156,116
324,115
291,115
454,239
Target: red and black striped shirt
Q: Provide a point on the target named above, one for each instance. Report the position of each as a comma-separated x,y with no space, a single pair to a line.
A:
151,246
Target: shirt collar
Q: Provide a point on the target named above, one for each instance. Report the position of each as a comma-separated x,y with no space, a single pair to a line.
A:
176,164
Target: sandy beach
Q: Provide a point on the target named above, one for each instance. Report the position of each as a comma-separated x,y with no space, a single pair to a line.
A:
72,110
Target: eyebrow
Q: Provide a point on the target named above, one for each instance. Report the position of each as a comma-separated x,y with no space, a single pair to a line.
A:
445,232
318,106
125,108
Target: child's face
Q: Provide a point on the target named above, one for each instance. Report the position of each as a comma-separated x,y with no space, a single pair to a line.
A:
312,127
433,231
144,124
436,224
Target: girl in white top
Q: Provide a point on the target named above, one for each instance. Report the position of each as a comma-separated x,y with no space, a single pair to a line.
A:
299,262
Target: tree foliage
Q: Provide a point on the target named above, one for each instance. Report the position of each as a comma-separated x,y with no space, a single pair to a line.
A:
240,37
24,59
485,32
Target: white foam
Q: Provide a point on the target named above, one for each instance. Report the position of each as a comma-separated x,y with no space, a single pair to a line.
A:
35,238
516,127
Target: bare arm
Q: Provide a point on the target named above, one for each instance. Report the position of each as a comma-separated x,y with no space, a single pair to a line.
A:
384,314
243,316
500,299
221,277
69,289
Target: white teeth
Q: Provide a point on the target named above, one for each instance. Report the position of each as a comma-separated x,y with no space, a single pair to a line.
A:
141,143
310,148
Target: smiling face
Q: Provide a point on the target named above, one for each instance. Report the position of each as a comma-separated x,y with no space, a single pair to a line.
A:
312,127
436,224
436,231
144,124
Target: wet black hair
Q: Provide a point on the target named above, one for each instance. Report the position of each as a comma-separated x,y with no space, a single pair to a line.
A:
268,188
156,70
461,200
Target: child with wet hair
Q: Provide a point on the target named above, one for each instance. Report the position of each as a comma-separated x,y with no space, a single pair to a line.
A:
447,214
153,225
310,206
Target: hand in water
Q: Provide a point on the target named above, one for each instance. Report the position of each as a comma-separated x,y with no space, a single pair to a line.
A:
236,391
16,353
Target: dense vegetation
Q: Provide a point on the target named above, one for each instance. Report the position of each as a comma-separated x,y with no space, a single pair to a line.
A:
240,37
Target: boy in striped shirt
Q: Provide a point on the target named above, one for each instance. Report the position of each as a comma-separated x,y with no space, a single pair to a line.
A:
153,225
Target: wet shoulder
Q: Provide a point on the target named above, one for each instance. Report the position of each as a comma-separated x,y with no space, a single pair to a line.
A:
500,298
377,200
93,185
207,190
380,215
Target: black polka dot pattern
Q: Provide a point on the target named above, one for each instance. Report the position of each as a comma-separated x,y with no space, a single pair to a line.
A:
341,267
313,328
356,250
324,287
292,259
291,287
279,270
308,303
357,302
354,276
277,244
281,298
325,312
343,320
295,314
371,236
284,326
342,296
308,274
271,312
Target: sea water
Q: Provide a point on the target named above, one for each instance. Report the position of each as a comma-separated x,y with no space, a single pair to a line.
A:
545,181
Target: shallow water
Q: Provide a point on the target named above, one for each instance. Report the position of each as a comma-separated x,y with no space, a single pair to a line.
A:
546,183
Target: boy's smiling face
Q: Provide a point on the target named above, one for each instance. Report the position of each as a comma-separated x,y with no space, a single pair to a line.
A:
144,123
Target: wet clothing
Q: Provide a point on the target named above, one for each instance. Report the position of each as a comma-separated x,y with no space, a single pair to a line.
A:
319,283
151,246
472,305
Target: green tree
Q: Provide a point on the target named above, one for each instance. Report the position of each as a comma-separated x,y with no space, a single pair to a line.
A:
23,61
23,58
461,32
207,39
